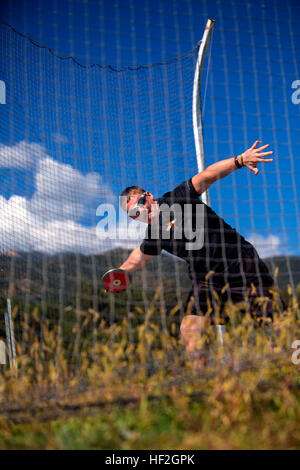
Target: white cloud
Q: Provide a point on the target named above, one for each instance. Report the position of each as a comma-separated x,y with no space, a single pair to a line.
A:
21,230
59,138
23,155
56,236
266,246
63,192
49,220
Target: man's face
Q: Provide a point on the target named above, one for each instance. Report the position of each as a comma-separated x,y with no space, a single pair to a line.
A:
143,212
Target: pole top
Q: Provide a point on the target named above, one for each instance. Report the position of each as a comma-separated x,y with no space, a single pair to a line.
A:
210,23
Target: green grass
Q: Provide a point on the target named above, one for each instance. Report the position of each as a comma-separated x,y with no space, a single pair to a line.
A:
261,420
112,399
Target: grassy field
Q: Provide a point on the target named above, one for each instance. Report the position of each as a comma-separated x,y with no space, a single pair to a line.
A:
143,393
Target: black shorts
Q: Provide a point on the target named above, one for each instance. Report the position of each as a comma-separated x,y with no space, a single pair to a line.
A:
211,301
253,286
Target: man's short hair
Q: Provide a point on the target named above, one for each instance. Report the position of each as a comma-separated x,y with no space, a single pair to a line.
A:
128,191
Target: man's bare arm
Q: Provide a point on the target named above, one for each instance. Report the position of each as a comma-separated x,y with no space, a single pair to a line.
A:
202,181
136,260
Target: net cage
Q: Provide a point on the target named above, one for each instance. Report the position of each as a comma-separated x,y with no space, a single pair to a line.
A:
75,134
86,134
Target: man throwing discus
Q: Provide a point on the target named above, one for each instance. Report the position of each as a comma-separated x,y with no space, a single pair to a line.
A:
225,267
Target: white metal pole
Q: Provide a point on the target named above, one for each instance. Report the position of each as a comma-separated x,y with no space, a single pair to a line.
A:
197,111
8,341
198,124
2,353
12,334
221,333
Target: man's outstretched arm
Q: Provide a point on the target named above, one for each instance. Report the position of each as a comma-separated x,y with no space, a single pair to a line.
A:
212,173
136,260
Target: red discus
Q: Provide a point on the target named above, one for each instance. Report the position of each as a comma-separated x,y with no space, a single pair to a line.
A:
115,280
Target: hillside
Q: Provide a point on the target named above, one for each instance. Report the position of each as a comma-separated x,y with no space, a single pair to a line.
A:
69,276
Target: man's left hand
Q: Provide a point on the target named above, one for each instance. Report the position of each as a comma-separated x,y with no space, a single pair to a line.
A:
254,155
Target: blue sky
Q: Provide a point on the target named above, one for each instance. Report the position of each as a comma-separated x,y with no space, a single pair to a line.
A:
71,137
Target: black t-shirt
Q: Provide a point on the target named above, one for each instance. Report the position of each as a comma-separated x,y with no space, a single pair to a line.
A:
223,247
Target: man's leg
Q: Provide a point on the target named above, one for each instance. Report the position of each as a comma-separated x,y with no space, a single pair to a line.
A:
192,329
200,308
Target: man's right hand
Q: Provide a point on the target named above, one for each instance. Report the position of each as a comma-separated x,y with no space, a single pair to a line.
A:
136,260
